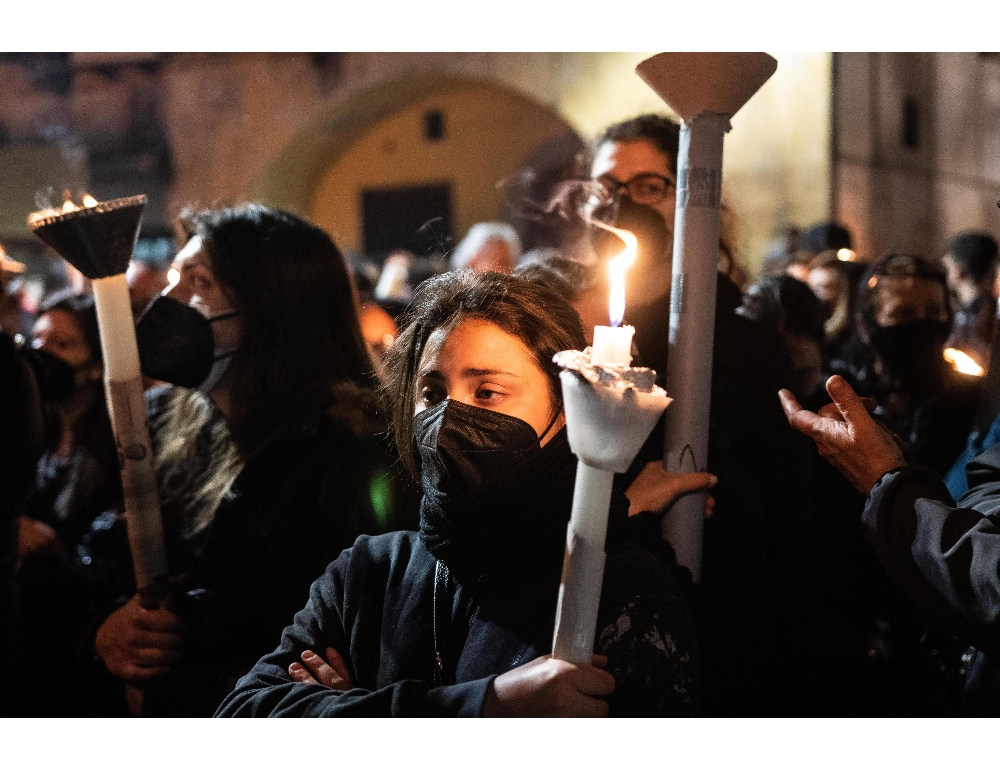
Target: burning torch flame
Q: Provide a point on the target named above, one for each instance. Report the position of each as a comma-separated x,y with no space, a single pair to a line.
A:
616,271
89,201
961,362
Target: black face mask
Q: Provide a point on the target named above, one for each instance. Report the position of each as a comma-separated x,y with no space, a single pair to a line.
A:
56,379
912,353
493,499
176,344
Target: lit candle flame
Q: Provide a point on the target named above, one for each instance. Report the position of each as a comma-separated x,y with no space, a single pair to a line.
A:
89,201
616,272
68,206
845,255
962,362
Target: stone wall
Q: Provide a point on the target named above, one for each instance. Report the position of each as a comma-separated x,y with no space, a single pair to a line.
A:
917,148
228,118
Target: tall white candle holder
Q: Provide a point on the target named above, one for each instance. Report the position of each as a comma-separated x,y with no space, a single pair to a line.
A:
611,409
98,240
705,90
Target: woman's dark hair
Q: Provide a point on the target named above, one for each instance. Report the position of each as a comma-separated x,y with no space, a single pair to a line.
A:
535,314
302,349
81,307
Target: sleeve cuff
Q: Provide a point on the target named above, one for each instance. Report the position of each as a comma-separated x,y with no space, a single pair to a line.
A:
460,700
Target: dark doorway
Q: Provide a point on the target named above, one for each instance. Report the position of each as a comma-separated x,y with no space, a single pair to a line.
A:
417,219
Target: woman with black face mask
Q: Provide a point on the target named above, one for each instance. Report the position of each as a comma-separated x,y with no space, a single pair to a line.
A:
268,454
76,480
78,472
904,318
457,620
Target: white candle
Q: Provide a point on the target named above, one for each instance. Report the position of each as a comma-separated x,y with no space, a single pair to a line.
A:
612,345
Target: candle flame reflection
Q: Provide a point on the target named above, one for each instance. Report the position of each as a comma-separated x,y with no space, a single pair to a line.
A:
616,272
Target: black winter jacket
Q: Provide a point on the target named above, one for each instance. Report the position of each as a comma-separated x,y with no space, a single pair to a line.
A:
945,557
376,606
295,505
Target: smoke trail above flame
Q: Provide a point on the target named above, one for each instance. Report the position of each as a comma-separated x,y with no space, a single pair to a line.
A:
616,272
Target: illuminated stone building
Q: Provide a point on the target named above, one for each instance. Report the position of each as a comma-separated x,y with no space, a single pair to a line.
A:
901,147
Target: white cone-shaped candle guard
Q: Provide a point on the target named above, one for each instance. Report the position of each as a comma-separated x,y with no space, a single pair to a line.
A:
705,90
610,411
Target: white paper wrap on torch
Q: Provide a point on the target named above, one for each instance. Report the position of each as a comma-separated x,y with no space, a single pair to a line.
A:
126,406
610,411
705,90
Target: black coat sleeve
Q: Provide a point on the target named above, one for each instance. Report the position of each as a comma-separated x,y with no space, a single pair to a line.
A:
944,556
331,619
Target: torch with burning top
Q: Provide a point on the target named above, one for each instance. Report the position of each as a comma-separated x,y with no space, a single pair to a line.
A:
98,240
610,410
705,90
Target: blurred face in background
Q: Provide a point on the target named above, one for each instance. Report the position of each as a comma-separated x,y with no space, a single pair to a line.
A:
57,332
902,299
493,256
379,331
911,326
828,286
145,282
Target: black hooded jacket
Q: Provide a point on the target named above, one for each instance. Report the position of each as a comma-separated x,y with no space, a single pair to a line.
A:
392,610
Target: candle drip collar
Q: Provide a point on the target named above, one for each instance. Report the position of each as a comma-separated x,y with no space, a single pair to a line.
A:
616,376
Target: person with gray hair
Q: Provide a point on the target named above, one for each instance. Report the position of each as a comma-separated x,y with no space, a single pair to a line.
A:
488,246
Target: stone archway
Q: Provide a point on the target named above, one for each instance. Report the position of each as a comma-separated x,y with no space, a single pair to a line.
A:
380,139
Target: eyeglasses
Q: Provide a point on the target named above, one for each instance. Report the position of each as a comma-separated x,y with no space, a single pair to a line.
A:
644,189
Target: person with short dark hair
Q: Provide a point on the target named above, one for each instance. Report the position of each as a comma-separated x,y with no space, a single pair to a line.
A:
750,590
903,318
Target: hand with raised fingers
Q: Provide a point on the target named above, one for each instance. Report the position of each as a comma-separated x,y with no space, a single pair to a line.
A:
331,672
546,687
139,644
845,433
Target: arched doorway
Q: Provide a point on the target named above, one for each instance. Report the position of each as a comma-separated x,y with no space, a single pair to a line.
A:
408,148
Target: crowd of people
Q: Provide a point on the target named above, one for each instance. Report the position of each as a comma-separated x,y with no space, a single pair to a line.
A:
365,478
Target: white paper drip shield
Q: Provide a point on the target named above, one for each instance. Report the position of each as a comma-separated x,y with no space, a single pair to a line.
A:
607,422
705,90
610,411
